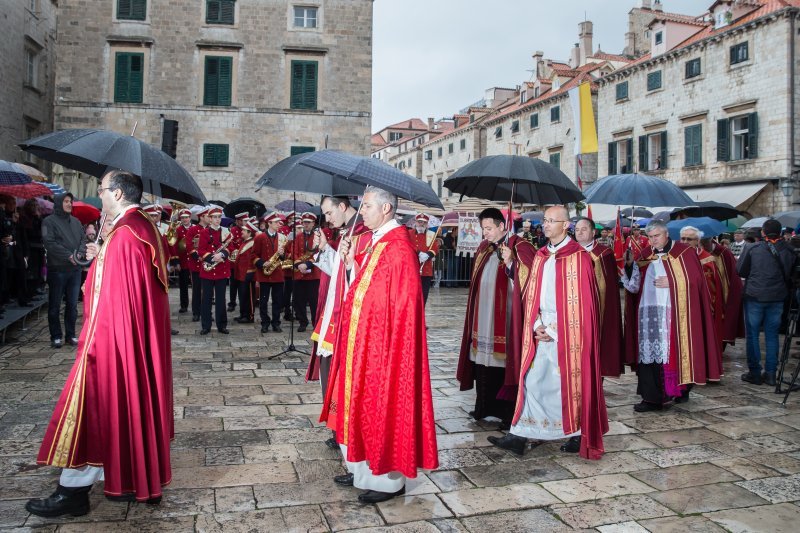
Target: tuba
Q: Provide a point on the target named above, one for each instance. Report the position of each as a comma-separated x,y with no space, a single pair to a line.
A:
275,261
172,231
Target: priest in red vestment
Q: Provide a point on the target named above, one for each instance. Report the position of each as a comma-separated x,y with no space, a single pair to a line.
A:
612,355
492,337
114,418
560,390
732,289
381,382
670,334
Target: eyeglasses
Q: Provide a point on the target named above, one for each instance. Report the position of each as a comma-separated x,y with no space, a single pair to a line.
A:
101,189
552,221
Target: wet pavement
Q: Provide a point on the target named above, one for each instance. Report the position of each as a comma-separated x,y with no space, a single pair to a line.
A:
249,454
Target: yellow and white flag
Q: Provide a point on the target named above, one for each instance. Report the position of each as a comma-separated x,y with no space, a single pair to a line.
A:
580,98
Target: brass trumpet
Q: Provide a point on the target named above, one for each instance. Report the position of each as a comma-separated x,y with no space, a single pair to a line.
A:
172,233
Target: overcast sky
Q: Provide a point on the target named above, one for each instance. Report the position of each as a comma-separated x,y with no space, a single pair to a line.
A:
434,57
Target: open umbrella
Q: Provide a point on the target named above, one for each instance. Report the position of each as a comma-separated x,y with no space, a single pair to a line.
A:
532,180
293,205
94,152
788,219
240,205
54,188
637,190
709,226
26,190
84,212
289,175
45,206
710,208
537,216
96,202
636,212
755,222
13,174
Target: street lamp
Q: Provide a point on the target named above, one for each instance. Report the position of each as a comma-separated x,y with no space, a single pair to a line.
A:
787,186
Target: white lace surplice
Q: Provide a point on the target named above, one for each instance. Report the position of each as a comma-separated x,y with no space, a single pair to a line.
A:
655,313
484,354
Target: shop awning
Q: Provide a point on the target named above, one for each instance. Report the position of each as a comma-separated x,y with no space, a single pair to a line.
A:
738,195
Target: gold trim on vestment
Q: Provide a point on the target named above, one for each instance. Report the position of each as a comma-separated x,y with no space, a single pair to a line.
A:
682,316
358,300
572,322
723,275
597,260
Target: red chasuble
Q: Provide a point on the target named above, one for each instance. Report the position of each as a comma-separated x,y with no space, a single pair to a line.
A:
382,385
693,347
583,406
116,407
714,284
732,287
612,356
508,333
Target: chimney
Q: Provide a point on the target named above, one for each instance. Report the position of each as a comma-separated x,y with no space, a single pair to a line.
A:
430,123
645,4
575,56
585,38
657,6
538,63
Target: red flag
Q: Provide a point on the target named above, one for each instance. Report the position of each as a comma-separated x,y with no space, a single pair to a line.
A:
589,212
619,242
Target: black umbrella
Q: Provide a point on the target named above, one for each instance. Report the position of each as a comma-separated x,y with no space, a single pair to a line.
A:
94,152
711,209
240,205
289,175
636,189
636,212
532,181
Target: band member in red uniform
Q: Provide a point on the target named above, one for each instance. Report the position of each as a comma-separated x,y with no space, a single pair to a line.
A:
114,418
269,251
236,241
636,241
427,246
184,275
306,275
214,273
192,242
245,272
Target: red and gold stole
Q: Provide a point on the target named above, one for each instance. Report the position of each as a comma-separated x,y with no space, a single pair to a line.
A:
499,303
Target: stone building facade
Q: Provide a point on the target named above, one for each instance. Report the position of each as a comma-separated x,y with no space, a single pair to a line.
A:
713,107
27,67
249,82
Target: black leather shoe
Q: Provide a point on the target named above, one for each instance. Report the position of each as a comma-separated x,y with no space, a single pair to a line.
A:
573,445
643,407
752,377
375,496
131,497
224,331
277,329
510,442
345,480
301,329
264,329
174,332
231,307
182,310
205,331
195,318
332,444
768,378
65,500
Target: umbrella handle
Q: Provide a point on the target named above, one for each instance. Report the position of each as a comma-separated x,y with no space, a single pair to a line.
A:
77,254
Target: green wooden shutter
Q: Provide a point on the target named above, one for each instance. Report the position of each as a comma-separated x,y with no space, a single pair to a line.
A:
629,156
213,11
121,77
304,85
227,12
688,146
222,155
643,155
752,134
131,9
612,158
218,81
128,78
295,150
211,83
663,149
723,140
215,155
209,155
225,80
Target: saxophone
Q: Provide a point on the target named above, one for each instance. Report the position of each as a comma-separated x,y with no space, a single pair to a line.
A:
172,231
208,267
275,261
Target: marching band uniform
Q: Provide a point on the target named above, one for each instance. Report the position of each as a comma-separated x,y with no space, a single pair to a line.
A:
185,273
427,246
236,241
306,286
264,248
192,241
214,278
245,271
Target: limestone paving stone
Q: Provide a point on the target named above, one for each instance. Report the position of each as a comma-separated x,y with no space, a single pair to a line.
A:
778,518
783,463
681,524
411,508
693,500
622,527
291,494
775,489
625,443
771,443
420,485
611,463
450,480
102,510
266,422
233,475
682,455
610,511
746,412
12,513
744,468
304,518
351,515
220,439
234,499
411,527
666,422
671,439
465,440
262,399
490,499
295,436
594,488
175,502
528,521
196,425
178,523
515,473
228,455
674,477
460,458
226,411
313,471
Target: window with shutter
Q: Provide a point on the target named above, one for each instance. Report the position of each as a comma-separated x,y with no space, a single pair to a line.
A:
739,53
218,81
612,158
693,145
215,155
463,144
534,121
439,152
654,80
515,126
555,114
622,91
131,9
128,78
304,85
450,148
498,132
555,159
628,156
723,140
220,11
295,150
693,68
643,155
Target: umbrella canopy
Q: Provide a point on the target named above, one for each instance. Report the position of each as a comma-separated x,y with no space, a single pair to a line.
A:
28,190
534,181
636,189
636,212
33,173
710,208
54,188
624,222
297,206
84,212
240,205
13,174
755,222
537,216
95,152
788,219
45,206
334,173
94,201
709,226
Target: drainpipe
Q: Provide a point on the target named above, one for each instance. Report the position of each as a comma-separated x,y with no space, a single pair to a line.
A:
792,140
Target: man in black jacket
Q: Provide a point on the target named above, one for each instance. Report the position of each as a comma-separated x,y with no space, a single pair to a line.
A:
767,268
63,235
